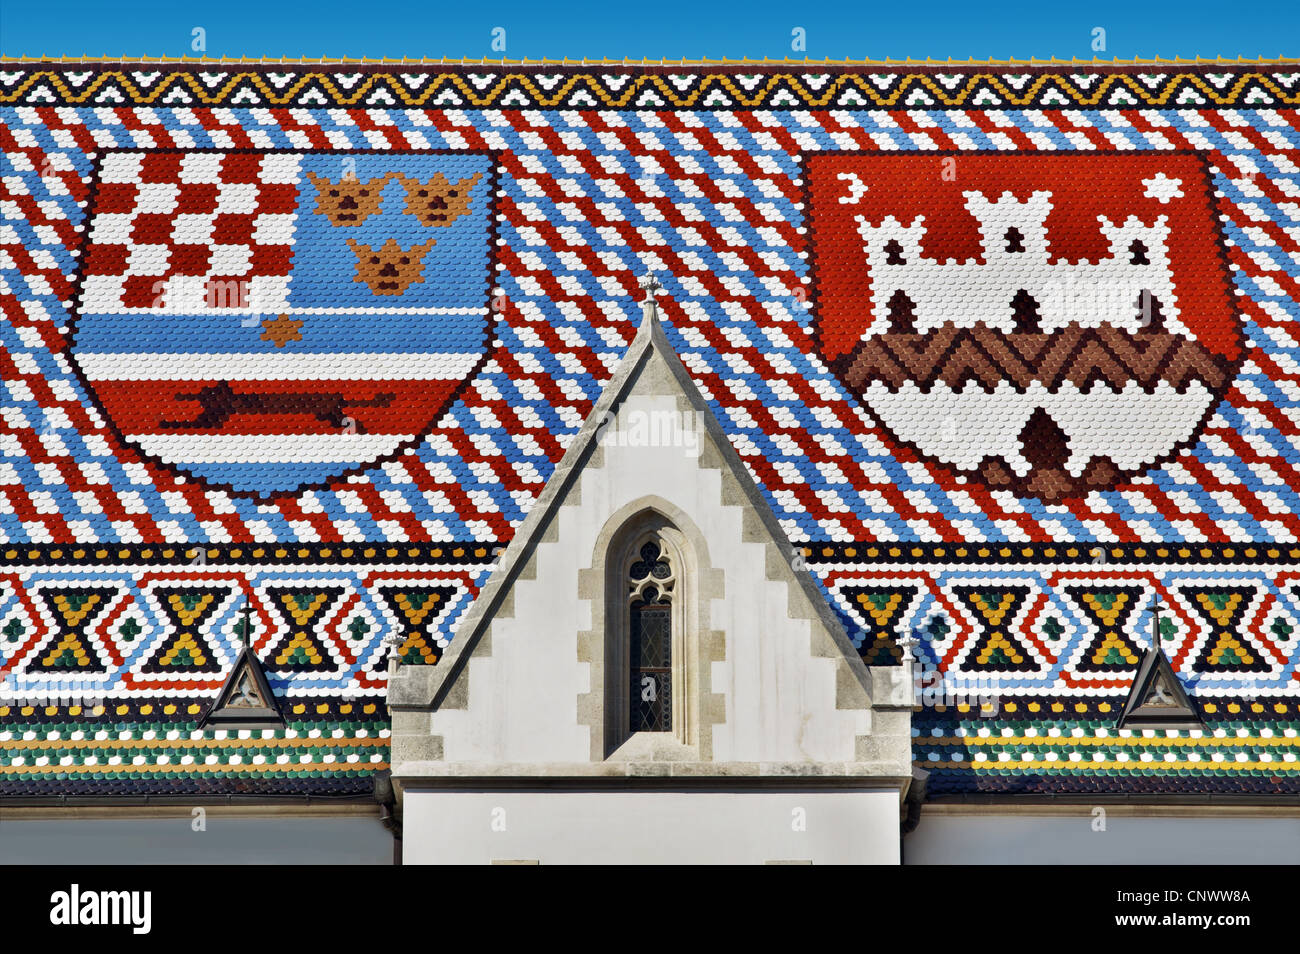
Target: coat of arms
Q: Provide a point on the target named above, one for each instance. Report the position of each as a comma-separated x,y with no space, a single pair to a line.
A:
1045,323
270,321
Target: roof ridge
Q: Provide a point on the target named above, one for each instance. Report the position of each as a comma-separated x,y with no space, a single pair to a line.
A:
146,60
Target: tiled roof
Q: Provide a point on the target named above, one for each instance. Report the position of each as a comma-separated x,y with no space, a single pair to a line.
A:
1068,746
329,747
1009,350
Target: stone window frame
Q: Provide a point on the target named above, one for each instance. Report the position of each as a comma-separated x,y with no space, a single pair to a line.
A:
635,592
646,527
605,707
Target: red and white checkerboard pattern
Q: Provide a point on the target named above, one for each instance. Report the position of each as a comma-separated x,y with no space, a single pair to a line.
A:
191,231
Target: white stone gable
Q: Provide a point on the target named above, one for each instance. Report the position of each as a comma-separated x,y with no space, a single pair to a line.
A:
775,681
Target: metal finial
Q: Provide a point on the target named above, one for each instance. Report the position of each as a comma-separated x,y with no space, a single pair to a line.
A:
248,625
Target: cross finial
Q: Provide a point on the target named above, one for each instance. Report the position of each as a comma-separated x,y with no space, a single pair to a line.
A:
649,310
650,285
393,641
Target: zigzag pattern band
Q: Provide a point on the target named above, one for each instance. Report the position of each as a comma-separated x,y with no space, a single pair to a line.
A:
1066,88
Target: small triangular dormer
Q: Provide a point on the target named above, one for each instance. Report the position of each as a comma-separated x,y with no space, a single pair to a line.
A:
1157,699
246,700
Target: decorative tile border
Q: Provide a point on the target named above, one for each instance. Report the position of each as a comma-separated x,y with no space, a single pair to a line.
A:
328,747
649,87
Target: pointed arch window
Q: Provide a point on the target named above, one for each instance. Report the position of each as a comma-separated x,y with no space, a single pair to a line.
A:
651,579
650,674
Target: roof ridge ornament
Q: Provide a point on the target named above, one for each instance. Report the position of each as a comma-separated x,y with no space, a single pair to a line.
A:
649,308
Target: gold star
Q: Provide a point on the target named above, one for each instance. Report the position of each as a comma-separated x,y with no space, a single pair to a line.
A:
282,330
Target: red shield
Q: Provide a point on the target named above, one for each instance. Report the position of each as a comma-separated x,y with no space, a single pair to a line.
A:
1044,323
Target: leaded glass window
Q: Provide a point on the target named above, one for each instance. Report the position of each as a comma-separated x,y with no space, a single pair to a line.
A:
650,589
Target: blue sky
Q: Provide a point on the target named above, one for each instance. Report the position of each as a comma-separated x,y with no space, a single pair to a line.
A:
651,28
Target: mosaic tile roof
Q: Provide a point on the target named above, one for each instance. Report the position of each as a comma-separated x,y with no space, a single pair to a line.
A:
1010,351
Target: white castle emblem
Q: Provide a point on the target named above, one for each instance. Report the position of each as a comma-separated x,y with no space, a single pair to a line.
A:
1040,376
1015,264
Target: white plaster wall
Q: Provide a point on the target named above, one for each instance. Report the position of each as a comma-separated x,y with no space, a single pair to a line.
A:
171,840
1128,839
523,696
650,827
780,699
